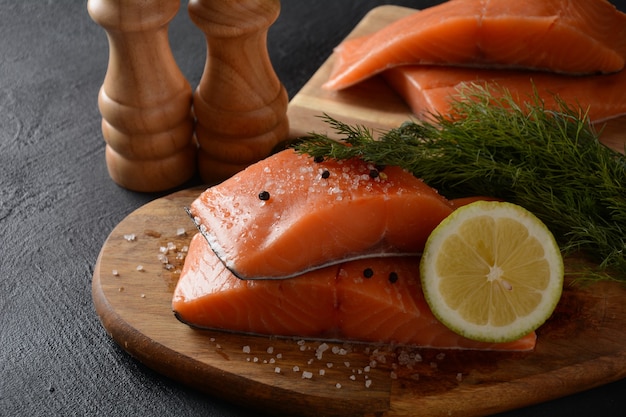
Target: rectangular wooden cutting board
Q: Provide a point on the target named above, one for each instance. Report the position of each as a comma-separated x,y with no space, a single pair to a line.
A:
582,346
373,103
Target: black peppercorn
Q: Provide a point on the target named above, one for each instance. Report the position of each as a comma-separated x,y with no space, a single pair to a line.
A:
393,277
368,273
264,195
325,174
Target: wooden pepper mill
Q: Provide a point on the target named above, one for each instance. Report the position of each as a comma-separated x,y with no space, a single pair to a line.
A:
145,100
240,104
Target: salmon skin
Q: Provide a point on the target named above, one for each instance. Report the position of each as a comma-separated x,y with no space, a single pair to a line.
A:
570,37
429,90
289,214
376,300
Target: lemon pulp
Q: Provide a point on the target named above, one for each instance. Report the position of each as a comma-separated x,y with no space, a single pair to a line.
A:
492,271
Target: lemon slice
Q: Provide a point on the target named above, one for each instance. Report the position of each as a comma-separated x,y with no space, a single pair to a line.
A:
492,271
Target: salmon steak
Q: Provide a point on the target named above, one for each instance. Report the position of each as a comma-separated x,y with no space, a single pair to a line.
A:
377,300
289,214
560,36
429,90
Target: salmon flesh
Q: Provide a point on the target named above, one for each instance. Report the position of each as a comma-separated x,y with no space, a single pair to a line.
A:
560,36
376,300
289,214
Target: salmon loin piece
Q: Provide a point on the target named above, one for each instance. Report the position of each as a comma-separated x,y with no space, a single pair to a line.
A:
562,36
288,214
375,300
430,90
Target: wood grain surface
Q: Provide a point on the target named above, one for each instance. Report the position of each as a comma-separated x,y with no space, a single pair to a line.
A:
582,346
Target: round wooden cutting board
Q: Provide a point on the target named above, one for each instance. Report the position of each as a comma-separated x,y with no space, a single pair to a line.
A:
582,346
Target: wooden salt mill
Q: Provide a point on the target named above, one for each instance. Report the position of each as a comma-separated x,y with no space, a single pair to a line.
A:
240,104
145,100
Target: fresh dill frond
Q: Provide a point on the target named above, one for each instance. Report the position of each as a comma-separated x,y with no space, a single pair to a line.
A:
549,161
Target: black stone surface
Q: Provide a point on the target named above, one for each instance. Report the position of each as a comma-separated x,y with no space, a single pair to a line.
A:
58,205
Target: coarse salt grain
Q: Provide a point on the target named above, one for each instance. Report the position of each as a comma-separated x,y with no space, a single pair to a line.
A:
246,349
296,368
322,372
320,350
131,237
115,273
337,385
140,268
277,369
307,375
270,350
368,383
181,231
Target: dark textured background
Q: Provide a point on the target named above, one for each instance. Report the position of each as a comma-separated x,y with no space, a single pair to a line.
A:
57,206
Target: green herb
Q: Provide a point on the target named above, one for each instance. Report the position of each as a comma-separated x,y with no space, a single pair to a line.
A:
550,162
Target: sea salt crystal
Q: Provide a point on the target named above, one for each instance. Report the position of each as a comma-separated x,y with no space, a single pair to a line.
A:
353,377
181,231
140,268
296,368
270,350
320,350
322,372
115,273
459,377
277,369
131,237
368,383
337,385
307,375
246,349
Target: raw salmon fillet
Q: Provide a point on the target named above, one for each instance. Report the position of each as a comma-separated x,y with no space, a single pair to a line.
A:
289,214
562,36
368,300
429,89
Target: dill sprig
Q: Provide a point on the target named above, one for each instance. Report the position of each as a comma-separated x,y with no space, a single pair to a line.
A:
548,161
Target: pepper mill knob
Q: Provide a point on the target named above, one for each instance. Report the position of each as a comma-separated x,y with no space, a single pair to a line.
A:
145,101
240,104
